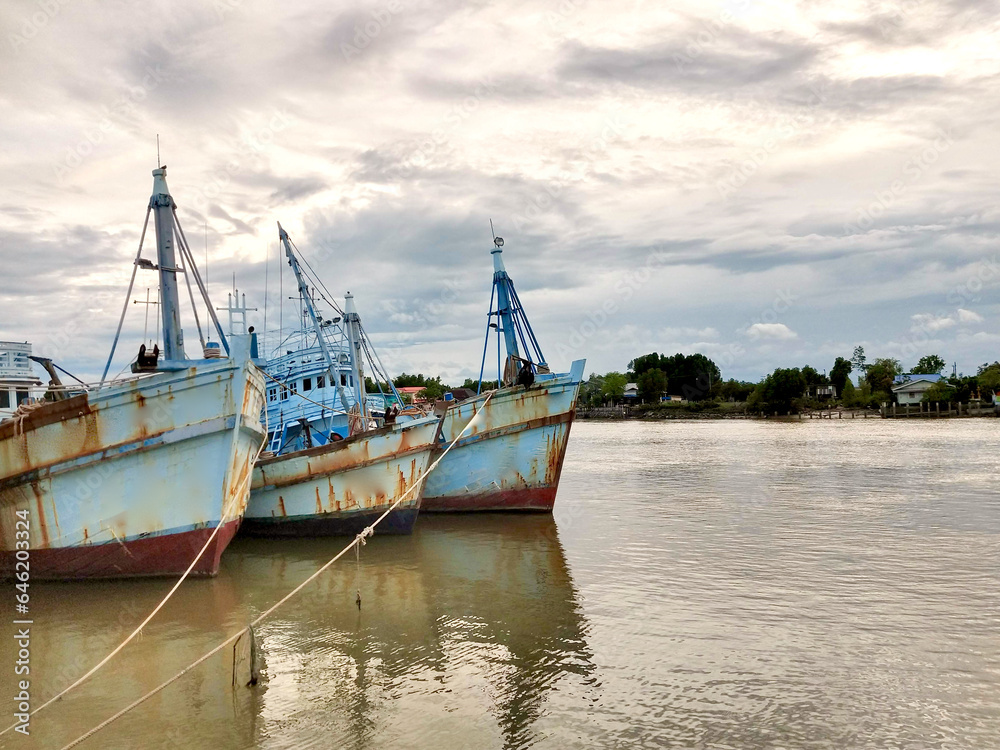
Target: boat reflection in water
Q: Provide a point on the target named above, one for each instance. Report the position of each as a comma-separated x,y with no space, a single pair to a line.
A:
467,630
464,629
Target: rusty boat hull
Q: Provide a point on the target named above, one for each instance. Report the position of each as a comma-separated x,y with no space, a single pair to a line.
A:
130,480
512,457
340,488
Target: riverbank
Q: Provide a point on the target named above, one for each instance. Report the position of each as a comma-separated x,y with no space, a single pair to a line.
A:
696,411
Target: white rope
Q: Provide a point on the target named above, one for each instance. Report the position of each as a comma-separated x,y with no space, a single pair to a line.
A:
222,521
359,539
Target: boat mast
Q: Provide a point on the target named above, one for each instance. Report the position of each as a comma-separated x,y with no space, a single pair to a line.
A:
162,205
353,323
501,282
308,303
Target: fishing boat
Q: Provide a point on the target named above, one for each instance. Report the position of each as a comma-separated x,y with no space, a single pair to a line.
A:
334,465
134,476
512,457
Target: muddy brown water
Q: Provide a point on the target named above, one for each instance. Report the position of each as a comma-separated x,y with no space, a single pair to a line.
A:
701,584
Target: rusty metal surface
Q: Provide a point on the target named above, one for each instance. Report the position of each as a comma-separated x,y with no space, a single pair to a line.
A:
158,455
365,473
511,457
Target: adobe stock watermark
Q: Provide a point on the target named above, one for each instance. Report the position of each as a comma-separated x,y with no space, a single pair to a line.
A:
625,288
434,141
367,32
709,34
894,19
987,269
252,145
564,11
33,25
92,137
543,201
914,169
784,129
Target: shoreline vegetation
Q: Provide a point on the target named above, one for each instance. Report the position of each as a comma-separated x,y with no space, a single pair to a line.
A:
657,386
737,410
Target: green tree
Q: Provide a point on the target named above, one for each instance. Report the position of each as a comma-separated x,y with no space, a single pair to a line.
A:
989,379
858,359
755,400
639,365
433,390
652,384
781,388
930,364
849,394
472,384
813,376
865,396
839,373
940,392
880,375
736,390
695,376
614,385
591,390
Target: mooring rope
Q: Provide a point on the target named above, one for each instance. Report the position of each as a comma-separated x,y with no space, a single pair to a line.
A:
359,539
222,521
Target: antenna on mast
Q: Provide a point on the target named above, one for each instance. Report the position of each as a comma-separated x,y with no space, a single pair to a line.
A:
158,164
491,220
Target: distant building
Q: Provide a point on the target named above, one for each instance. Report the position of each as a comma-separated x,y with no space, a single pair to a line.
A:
821,392
631,390
932,377
667,397
910,389
409,394
17,377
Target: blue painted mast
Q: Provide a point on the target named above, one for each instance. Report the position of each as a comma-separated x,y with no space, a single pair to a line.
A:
163,207
509,318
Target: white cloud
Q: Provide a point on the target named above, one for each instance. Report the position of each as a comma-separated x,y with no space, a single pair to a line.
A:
775,331
968,316
930,322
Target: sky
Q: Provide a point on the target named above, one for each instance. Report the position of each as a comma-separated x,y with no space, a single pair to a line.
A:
768,183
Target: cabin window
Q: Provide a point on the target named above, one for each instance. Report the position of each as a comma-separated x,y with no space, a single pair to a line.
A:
22,396
307,384
4,399
321,381
343,378
272,394
295,386
284,393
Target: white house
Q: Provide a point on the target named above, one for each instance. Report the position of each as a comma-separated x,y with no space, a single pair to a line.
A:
912,391
631,390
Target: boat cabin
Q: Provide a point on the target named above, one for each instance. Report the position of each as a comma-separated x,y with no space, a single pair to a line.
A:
18,381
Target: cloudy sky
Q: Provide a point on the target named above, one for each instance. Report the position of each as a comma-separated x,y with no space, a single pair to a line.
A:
769,183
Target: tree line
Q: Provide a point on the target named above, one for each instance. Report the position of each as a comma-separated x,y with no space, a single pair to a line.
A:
698,380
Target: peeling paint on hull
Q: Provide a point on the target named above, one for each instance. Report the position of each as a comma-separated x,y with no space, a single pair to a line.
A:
339,488
149,466
160,555
512,458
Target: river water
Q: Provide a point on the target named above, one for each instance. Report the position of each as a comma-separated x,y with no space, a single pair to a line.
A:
711,584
